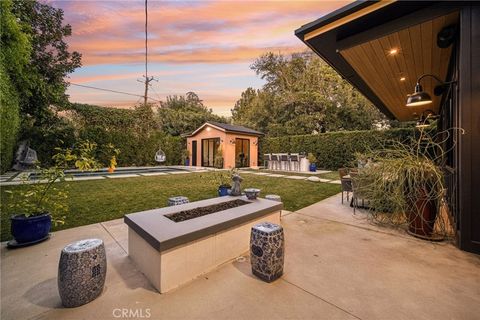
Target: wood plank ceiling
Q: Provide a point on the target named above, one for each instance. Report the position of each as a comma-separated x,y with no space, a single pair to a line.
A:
391,65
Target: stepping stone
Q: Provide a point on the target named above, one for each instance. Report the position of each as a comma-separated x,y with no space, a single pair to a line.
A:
295,177
336,182
118,176
148,174
325,180
261,173
314,179
275,175
323,171
87,178
180,172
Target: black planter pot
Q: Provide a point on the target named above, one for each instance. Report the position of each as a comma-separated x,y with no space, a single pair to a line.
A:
30,230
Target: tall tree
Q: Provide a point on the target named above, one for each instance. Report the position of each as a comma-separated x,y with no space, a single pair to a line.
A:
302,95
50,59
14,56
183,114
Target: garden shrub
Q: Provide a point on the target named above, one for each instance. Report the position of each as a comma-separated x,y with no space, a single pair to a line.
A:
9,120
334,150
133,132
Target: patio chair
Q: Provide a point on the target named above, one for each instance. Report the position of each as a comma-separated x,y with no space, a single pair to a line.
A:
275,161
346,187
343,172
160,156
284,162
267,161
358,191
294,161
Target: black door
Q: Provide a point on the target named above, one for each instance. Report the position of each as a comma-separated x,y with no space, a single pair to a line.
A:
194,153
242,153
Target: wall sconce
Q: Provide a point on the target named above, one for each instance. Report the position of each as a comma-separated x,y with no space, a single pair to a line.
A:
232,141
420,97
255,142
426,118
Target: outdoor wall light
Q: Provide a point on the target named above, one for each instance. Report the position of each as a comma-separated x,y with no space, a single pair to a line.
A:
426,118
232,141
255,142
420,97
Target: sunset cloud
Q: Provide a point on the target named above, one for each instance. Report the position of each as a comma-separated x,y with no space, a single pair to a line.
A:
185,38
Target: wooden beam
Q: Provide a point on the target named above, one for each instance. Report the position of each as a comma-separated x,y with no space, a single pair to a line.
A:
351,17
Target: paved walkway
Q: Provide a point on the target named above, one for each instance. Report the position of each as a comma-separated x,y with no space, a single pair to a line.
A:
289,175
337,267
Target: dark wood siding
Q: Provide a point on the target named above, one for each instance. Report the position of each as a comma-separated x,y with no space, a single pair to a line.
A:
469,119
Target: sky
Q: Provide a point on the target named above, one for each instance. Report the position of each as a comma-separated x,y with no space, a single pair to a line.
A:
202,46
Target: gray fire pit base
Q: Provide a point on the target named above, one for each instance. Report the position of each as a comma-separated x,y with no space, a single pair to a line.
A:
81,272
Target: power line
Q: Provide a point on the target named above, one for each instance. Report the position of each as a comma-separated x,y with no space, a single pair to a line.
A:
114,91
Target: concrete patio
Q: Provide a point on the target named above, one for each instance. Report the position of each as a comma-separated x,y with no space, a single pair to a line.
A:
337,267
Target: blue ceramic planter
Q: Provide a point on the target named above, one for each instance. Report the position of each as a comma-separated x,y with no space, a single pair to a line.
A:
223,191
30,229
313,167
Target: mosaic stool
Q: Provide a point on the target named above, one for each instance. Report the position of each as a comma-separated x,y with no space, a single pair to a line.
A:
175,201
273,197
81,272
267,251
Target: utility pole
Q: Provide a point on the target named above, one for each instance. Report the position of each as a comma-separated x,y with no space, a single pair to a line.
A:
147,78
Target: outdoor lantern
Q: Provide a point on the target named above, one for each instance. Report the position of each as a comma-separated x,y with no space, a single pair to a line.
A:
420,97
425,119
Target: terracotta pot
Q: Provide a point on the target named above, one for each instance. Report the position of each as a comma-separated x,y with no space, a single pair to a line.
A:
422,220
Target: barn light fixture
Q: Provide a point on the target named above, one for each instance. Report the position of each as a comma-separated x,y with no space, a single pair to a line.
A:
420,97
426,118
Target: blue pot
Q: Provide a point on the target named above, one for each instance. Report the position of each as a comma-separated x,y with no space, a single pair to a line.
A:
313,167
187,162
223,191
30,229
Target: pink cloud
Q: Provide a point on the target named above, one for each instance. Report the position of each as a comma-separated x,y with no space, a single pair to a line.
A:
106,30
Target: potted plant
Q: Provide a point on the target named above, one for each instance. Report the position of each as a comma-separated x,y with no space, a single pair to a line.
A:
186,157
112,153
405,183
313,165
218,163
221,179
39,203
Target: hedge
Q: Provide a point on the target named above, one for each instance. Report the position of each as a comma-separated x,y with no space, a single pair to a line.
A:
334,150
9,120
136,150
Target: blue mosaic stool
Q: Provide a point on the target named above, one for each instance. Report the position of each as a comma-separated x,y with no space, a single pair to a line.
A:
175,201
81,272
267,246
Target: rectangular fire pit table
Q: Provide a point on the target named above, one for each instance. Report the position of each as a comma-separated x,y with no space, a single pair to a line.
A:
172,253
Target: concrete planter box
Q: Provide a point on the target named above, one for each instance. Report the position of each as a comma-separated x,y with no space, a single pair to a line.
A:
173,253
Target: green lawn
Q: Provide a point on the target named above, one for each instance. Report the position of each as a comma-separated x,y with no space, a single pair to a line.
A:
330,175
102,200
